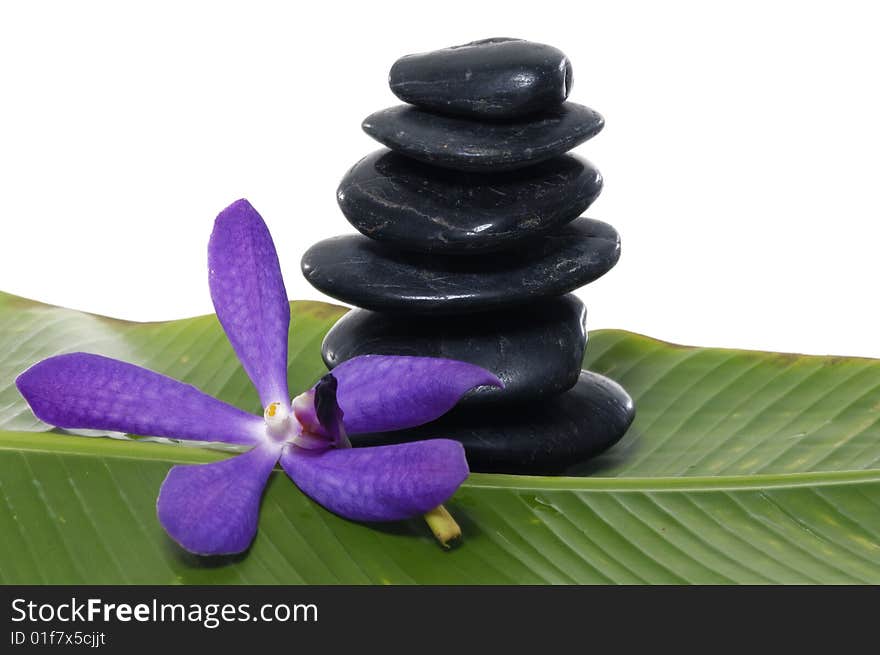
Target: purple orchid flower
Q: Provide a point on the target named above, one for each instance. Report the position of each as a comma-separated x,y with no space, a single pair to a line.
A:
212,509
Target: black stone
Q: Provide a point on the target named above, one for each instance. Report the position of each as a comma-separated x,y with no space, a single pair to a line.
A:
369,274
492,78
536,350
471,145
544,437
407,204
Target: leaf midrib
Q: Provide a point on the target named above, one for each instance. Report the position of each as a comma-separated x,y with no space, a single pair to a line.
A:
77,446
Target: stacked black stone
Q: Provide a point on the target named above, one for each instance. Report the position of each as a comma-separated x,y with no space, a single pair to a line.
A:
470,244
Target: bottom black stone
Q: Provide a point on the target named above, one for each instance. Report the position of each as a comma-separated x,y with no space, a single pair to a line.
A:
541,438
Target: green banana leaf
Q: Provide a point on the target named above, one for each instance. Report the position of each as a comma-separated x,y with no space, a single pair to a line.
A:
741,467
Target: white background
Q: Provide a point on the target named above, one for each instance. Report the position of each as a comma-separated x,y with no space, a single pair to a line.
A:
740,153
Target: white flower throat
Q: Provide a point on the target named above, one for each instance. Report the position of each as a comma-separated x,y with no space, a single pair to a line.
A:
289,423
279,421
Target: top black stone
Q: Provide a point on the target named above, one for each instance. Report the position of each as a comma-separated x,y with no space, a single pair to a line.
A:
492,78
472,145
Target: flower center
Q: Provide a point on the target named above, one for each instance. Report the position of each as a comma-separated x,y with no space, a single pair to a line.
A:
279,425
296,423
313,420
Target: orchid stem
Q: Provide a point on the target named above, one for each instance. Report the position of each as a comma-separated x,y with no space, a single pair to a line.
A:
443,526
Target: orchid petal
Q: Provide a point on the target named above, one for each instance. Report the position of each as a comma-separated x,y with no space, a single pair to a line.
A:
212,509
378,393
250,298
385,483
80,390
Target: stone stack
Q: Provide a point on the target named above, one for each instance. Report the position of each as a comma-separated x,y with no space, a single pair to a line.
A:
470,245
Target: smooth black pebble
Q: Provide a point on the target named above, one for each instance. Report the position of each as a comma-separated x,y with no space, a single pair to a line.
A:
410,205
543,437
368,274
472,145
493,78
536,350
